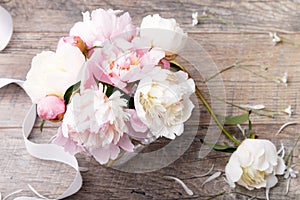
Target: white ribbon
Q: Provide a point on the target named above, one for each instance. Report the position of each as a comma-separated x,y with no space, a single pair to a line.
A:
45,151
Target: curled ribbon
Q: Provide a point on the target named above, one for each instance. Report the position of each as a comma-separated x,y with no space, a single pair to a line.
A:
45,151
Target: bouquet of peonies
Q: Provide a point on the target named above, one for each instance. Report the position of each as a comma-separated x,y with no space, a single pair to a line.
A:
110,83
113,85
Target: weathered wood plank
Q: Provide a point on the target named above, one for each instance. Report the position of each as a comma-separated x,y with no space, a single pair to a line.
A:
255,16
19,169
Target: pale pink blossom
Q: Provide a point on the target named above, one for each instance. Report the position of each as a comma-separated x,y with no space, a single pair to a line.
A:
102,25
120,62
96,124
51,107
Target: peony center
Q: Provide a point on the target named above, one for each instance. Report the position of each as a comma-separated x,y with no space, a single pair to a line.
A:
252,176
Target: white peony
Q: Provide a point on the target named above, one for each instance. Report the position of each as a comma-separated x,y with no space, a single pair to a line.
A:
254,164
163,33
162,102
53,72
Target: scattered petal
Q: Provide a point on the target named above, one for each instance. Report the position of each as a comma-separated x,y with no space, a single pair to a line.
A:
241,129
285,125
187,190
281,150
289,110
253,107
212,177
284,79
209,171
287,186
195,18
83,169
6,25
275,38
13,193
35,192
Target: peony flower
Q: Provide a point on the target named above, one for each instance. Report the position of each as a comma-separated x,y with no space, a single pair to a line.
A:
95,124
6,24
102,25
162,102
163,33
53,72
51,107
255,164
120,62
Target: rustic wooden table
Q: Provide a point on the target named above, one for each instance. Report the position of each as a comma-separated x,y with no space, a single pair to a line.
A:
236,31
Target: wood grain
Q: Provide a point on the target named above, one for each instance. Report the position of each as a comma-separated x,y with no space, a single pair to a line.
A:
236,32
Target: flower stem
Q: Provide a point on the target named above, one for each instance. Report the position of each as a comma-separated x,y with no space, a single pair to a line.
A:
233,139
210,110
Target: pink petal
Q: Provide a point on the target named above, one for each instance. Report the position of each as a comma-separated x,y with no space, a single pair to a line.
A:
103,154
68,144
125,143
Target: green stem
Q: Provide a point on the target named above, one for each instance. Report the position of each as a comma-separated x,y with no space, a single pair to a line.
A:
210,110
233,139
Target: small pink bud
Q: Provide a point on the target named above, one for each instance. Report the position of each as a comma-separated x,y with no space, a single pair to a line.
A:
75,41
51,108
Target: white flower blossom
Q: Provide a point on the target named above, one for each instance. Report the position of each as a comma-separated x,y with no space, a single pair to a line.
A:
290,172
53,72
162,33
254,164
194,18
162,102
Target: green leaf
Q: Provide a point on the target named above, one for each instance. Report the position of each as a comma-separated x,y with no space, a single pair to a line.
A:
70,91
175,66
239,119
219,147
42,125
110,89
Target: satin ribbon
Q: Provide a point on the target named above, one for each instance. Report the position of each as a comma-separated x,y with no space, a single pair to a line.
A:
45,151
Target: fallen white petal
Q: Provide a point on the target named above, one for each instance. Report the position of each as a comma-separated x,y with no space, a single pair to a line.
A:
35,192
0,196
281,150
253,107
187,190
212,177
83,169
287,186
208,172
285,125
6,27
241,129
15,192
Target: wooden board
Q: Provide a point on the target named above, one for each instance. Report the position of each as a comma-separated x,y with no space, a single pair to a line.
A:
236,32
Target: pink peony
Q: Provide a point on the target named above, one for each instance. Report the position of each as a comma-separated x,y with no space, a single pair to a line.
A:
102,25
95,124
120,62
51,107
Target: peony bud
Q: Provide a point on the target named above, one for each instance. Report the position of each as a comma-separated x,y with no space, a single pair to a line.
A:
51,108
75,41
